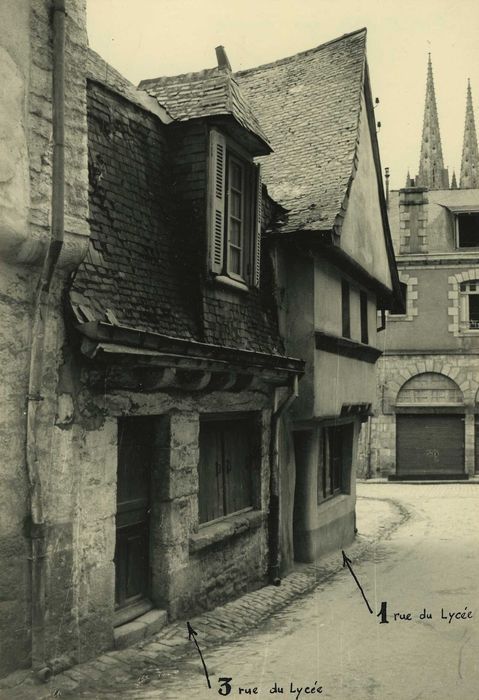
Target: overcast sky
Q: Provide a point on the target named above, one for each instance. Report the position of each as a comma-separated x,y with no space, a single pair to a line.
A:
149,38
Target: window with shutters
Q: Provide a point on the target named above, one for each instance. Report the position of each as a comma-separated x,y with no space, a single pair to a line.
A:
235,194
229,466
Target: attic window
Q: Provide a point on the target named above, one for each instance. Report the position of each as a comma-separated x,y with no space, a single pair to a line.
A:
235,196
467,230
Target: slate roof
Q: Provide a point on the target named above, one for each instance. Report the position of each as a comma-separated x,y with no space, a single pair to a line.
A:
132,274
209,93
139,272
309,105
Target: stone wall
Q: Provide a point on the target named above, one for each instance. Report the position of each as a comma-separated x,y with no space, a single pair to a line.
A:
25,214
193,567
393,372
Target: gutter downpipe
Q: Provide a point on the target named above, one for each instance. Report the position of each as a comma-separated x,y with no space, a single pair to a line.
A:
40,318
275,484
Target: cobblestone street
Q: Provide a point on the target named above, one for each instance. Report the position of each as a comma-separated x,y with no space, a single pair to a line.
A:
416,551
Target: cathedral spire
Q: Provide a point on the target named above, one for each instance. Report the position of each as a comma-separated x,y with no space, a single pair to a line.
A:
470,153
432,173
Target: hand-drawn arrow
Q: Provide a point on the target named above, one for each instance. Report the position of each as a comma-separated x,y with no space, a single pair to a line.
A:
192,635
347,561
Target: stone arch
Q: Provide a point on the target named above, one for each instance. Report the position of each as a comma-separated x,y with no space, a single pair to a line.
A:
428,364
429,388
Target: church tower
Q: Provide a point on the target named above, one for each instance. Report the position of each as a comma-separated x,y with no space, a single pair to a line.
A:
432,173
470,154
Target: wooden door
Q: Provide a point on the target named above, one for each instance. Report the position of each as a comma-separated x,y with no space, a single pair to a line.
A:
430,445
135,449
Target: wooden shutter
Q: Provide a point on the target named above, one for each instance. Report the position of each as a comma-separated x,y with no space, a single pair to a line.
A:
217,201
210,472
238,457
257,227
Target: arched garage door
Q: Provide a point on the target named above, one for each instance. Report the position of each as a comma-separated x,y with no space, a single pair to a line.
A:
430,428
430,445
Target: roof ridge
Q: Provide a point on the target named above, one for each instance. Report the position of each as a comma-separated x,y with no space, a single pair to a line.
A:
182,77
280,61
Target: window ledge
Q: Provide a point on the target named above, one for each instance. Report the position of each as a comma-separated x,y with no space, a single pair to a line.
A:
225,529
230,282
333,501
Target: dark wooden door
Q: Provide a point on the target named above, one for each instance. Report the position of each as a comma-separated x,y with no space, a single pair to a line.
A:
430,445
135,448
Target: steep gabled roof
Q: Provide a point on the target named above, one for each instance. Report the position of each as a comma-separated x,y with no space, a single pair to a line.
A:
309,105
208,93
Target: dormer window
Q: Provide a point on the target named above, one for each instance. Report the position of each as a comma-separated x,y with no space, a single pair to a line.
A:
234,213
467,229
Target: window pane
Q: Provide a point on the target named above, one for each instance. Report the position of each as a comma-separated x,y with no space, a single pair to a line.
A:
336,461
235,233
323,466
364,317
345,302
474,311
235,260
236,205
236,175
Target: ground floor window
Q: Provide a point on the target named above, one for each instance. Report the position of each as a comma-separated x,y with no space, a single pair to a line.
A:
334,460
229,465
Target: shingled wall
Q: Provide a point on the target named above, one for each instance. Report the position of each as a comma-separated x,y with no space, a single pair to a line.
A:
147,264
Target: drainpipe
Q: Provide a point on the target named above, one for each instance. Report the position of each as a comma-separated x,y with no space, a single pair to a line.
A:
275,483
40,318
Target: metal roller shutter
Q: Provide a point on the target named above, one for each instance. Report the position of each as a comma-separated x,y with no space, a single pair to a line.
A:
430,445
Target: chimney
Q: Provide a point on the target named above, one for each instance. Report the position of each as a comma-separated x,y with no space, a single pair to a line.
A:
222,58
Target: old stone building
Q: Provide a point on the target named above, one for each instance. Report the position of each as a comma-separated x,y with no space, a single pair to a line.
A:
425,425
161,299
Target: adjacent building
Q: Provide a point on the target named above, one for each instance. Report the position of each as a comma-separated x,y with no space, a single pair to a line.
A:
190,275
335,267
425,424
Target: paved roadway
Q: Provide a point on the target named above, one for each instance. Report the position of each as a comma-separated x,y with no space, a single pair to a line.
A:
330,639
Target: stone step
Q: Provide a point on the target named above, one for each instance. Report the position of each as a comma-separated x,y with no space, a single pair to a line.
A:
140,628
